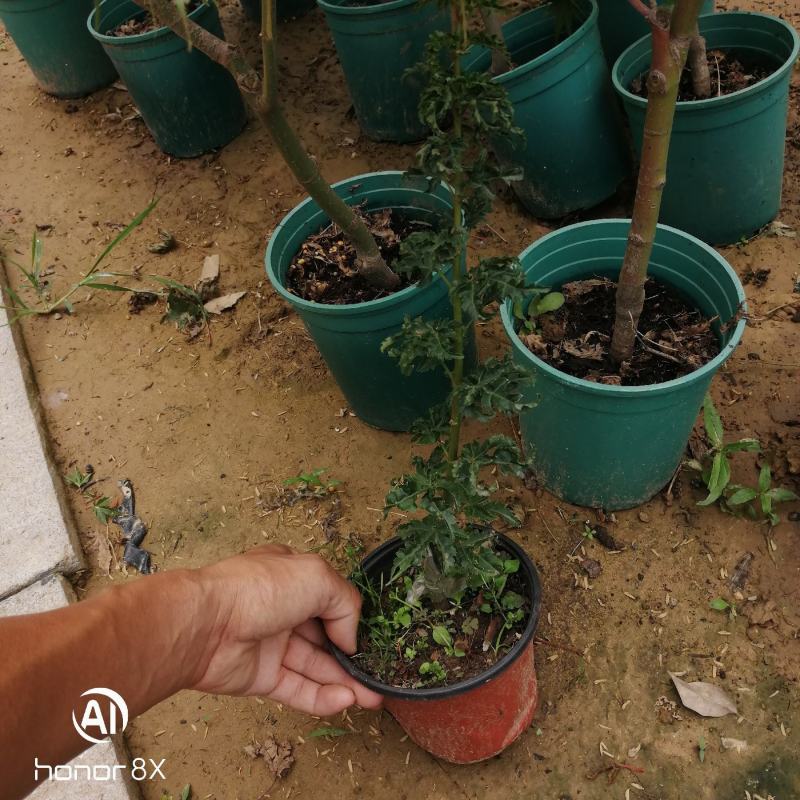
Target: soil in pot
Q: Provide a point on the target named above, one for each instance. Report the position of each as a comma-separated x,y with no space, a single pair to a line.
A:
419,644
730,71
324,270
143,23
674,337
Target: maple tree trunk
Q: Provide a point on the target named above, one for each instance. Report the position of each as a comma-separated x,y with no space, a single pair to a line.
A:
500,61
698,65
261,95
671,37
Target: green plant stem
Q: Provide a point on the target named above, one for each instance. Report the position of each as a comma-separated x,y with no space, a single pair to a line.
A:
457,373
261,94
671,37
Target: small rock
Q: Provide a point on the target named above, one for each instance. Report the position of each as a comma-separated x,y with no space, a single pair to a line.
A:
644,516
56,316
591,567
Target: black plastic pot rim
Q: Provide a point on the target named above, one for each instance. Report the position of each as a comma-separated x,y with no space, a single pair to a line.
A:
137,38
500,666
629,392
695,106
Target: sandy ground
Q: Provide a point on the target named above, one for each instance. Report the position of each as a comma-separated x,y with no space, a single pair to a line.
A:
208,431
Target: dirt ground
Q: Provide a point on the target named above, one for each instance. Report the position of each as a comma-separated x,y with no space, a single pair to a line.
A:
208,430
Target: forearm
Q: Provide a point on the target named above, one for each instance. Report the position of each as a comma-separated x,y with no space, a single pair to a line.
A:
144,640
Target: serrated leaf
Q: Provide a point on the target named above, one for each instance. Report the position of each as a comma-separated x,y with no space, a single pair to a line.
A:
719,604
422,345
704,698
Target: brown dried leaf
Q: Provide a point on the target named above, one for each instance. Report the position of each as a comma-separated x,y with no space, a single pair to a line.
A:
706,699
220,304
278,756
102,549
739,745
579,349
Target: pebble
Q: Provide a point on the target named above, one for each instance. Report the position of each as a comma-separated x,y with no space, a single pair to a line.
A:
644,516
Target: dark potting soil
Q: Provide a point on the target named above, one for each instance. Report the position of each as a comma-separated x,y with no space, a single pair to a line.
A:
480,646
324,270
674,337
143,23
730,72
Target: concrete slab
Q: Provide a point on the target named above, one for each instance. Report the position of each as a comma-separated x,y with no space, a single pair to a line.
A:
35,539
51,593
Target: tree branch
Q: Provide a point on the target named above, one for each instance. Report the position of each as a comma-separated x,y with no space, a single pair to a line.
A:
261,95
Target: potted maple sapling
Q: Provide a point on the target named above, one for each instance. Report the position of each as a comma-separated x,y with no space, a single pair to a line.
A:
650,315
330,257
451,604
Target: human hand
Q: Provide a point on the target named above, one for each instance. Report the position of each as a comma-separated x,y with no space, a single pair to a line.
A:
267,614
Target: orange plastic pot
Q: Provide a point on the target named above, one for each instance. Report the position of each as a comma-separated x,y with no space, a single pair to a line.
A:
477,718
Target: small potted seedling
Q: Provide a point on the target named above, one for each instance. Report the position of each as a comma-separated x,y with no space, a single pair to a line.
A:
727,153
450,604
650,314
573,154
330,257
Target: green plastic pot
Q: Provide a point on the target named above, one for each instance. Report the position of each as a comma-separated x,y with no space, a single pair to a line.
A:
52,38
190,104
285,9
615,447
621,25
725,166
573,155
349,337
376,44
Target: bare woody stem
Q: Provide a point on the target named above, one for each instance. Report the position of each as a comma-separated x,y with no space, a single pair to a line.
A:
671,37
500,60
457,374
261,95
698,65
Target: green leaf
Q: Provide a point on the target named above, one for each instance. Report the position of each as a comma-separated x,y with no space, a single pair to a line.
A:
497,386
423,345
442,636
719,604
107,287
318,733
780,495
545,304
512,600
741,496
186,793
712,422
764,479
492,281
718,479
511,565
747,445
123,234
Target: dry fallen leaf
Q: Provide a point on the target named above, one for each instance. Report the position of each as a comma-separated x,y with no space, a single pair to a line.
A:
206,285
704,698
739,745
220,304
277,755
99,543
